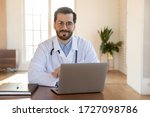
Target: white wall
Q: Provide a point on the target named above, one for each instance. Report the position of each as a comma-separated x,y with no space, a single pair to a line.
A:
146,61
15,28
122,34
146,47
134,43
93,15
136,46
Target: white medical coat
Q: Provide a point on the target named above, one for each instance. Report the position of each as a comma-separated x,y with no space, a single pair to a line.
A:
43,63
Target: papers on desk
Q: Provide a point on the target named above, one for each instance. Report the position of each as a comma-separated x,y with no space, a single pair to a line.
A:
14,89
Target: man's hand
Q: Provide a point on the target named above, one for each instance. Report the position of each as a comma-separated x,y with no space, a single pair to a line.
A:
56,72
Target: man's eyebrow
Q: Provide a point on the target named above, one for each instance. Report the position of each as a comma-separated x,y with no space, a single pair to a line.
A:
65,21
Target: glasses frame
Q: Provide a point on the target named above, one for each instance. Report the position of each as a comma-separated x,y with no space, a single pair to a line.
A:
68,24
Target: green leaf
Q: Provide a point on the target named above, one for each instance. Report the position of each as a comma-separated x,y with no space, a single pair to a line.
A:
106,45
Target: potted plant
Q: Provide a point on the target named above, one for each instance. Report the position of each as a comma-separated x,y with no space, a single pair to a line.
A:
107,47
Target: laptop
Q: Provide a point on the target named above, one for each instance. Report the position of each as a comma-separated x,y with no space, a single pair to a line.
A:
17,89
81,78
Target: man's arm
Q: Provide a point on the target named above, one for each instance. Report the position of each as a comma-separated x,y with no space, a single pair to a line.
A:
37,72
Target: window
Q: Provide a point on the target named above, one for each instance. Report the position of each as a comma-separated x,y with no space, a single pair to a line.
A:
36,29
37,24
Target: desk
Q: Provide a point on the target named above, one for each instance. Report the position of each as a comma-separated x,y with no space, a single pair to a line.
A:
115,88
46,94
111,92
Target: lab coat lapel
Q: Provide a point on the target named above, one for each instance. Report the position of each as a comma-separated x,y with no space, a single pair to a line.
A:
71,55
61,55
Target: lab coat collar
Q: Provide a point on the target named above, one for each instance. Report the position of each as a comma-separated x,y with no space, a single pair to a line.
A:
74,43
57,46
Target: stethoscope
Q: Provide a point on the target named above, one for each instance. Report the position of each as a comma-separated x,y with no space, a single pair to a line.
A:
76,53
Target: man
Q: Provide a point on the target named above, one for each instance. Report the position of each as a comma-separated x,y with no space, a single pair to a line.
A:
64,48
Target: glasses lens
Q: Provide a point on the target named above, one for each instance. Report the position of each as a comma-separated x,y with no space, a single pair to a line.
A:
68,24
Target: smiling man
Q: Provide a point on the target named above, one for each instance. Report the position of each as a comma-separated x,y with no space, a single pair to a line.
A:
64,24
63,48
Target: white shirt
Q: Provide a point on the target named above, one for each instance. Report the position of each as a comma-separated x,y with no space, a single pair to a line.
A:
47,58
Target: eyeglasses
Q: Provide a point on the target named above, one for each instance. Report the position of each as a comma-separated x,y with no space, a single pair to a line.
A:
68,24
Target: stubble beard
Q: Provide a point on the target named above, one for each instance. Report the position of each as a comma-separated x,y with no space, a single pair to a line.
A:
64,36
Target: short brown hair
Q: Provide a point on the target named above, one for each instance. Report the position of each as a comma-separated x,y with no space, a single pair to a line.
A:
65,10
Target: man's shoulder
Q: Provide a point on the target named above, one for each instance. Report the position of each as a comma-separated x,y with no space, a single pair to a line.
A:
48,41
46,44
81,39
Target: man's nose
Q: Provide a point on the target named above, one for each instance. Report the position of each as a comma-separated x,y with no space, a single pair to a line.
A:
64,26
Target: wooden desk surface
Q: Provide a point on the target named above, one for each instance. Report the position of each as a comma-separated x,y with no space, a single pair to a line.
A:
46,94
111,92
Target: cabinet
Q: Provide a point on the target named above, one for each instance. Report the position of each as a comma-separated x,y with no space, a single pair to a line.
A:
7,58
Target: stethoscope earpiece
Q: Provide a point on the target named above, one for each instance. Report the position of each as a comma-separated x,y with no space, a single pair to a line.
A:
76,54
53,50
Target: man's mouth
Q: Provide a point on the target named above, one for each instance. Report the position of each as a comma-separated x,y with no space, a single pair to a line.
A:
64,33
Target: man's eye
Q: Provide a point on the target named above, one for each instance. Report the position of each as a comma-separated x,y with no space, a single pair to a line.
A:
61,23
69,23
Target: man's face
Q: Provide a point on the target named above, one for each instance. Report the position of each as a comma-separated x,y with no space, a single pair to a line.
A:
64,26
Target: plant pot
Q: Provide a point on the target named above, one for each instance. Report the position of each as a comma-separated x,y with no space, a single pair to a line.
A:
109,59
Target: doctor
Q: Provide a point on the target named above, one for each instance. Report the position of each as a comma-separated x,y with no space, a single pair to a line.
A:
64,48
